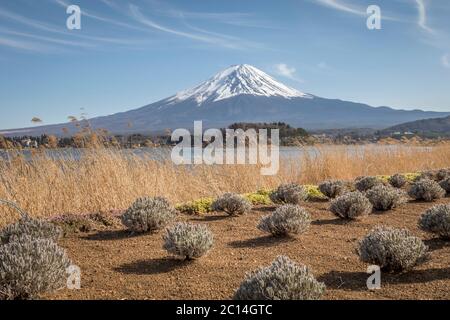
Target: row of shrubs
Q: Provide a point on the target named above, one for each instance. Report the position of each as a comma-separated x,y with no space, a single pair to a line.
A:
184,240
32,263
397,249
371,194
283,279
331,189
354,204
392,249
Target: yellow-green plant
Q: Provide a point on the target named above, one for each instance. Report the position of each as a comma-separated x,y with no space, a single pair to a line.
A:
257,198
314,192
411,177
264,192
384,178
199,206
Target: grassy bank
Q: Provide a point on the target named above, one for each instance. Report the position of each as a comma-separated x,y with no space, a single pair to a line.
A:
105,179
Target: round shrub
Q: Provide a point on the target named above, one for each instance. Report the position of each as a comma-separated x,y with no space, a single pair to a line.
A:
148,214
365,183
392,249
287,219
443,174
437,220
333,188
232,203
30,267
397,180
27,226
282,280
188,241
427,190
445,184
351,205
385,198
289,193
73,223
428,174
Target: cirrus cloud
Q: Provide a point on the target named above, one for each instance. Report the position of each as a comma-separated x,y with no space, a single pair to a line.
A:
286,71
422,19
446,60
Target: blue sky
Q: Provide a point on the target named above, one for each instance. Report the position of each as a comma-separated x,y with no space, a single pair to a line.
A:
131,53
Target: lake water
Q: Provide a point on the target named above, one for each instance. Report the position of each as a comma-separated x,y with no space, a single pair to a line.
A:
164,153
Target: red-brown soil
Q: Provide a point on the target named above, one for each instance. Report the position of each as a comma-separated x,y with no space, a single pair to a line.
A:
117,265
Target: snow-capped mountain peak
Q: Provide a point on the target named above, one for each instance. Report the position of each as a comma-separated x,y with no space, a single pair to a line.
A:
218,103
238,80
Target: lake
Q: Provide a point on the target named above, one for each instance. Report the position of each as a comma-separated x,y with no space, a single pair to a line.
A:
164,153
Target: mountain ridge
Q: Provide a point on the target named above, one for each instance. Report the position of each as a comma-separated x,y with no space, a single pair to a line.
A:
241,93
423,126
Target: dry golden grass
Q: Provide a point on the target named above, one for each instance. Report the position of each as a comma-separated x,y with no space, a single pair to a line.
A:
105,179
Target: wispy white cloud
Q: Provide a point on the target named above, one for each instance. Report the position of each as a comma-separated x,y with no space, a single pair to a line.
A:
237,42
436,37
286,71
358,10
22,45
212,38
38,25
342,6
445,60
110,4
95,16
136,21
48,39
422,16
28,22
206,15
211,33
431,36
239,19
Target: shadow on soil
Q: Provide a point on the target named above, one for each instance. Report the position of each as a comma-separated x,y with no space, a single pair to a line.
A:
265,241
211,218
436,243
421,201
111,235
356,281
337,222
153,266
266,208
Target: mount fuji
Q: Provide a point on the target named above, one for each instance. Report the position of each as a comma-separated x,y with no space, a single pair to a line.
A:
241,93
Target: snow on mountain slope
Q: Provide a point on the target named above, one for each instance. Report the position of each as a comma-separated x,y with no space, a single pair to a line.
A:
234,81
240,93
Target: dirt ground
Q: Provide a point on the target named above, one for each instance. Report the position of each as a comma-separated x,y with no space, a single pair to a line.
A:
116,265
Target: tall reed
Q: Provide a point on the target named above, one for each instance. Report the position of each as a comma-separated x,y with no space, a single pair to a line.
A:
105,179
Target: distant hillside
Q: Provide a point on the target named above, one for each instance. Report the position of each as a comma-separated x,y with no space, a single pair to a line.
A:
429,127
240,93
